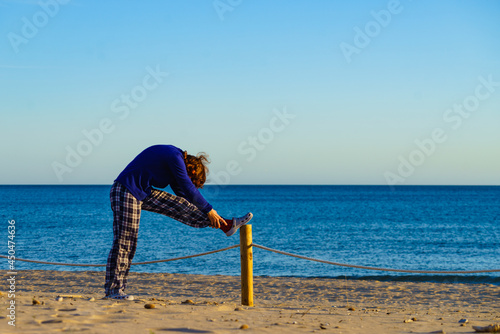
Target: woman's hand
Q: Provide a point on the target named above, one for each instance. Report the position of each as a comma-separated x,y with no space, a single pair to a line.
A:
216,221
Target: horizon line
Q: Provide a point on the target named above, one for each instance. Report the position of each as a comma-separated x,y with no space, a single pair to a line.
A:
269,184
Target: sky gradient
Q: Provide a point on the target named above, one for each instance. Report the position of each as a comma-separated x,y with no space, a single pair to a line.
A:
276,92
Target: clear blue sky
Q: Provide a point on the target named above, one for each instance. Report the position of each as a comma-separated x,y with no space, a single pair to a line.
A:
356,84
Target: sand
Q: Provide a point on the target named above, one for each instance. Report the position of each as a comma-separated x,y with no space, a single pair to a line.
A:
211,304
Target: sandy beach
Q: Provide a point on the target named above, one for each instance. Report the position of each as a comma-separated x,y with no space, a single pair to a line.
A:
211,304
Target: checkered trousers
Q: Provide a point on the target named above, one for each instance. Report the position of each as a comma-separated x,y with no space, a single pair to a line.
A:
126,216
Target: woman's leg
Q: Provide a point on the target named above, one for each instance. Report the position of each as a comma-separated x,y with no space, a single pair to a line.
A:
175,207
126,215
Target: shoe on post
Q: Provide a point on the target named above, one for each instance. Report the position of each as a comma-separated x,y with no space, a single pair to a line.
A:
239,222
119,296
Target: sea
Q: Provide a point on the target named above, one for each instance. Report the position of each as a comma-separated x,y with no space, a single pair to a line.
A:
449,228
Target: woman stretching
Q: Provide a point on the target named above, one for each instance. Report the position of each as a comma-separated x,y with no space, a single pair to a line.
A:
157,166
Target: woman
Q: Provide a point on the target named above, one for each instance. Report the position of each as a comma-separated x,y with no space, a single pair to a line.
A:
157,166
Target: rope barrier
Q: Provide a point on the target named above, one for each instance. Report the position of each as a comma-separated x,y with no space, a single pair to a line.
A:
132,264
375,268
274,251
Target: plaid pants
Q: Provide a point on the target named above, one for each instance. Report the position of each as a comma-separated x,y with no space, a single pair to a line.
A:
126,215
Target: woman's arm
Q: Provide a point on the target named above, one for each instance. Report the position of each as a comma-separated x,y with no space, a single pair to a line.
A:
216,221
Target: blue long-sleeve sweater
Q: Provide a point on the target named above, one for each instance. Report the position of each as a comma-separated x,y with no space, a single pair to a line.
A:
159,166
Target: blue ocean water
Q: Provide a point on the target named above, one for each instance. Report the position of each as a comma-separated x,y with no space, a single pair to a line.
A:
406,227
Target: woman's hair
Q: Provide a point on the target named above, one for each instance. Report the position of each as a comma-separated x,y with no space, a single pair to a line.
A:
196,167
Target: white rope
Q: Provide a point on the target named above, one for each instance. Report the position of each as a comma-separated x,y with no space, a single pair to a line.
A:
375,268
132,264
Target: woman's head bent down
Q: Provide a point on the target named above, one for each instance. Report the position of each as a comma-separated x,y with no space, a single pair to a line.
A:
197,168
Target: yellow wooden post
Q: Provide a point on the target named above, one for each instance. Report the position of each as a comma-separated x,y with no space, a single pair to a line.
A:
246,254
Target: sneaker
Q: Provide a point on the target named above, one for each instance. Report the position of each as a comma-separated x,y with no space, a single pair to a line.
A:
120,296
239,222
